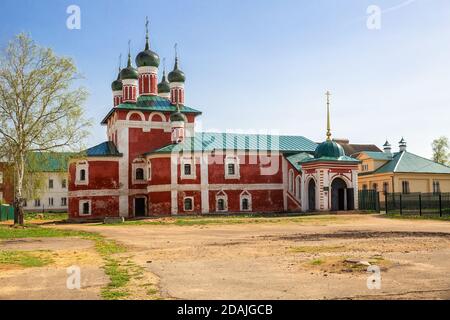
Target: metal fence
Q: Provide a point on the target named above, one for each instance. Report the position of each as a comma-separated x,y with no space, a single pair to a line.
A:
369,200
6,213
416,203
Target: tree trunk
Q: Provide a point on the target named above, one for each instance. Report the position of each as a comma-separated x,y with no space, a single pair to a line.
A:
18,200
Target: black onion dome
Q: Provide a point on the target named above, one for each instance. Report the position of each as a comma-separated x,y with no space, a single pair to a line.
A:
129,72
117,84
164,86
176,75
147,58
176,116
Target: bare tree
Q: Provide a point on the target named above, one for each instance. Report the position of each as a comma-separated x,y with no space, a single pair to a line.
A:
40,107
440,150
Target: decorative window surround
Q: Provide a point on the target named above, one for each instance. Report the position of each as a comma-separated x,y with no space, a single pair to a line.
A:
191,162
232,161
245,196
222,196
186,201
139,164
82,165
83,205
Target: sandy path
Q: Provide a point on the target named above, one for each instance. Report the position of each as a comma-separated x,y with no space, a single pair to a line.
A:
256,261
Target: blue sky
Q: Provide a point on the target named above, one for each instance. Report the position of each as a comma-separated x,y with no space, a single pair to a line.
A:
264,65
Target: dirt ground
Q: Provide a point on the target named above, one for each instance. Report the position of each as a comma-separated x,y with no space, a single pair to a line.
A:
293,260
49,282
289,259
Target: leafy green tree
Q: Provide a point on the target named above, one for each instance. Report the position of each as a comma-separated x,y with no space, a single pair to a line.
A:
441,150
40,107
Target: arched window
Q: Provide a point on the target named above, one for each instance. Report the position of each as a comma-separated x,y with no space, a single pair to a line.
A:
385,187
291,181
188,204
221,205
246,201
82,175
139,174
221,202
405,187
297,188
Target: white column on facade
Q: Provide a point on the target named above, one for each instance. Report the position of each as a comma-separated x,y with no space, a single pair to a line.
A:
355,186
123,147
174,183
303,191
204,181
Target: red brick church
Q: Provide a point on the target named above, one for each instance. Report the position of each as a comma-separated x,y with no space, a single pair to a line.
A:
155,164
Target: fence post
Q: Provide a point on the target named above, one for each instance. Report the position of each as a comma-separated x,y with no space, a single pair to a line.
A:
440,204
378,202
401,209
420,204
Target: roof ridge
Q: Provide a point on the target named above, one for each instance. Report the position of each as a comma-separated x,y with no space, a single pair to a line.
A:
399,160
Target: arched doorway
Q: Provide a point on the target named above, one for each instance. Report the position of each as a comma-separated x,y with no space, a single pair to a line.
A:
339,195
312,195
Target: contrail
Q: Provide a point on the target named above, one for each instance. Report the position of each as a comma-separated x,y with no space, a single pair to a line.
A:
399,6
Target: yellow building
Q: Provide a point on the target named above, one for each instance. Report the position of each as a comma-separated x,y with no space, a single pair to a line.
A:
402,172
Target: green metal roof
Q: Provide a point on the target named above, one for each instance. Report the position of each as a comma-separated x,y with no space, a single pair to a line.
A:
407,162
49,161
151,103
378,155
208,141
105,149
296,159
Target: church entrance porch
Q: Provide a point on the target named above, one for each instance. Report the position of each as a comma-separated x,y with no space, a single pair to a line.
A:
342,198
140,207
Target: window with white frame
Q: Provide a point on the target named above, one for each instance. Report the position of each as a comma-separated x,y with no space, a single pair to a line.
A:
64,183
245,201
188,204
37,203
50,183
82,173
221,202
139,168
50,202
187,168
63,202
85,208
1,177
232,168
291,181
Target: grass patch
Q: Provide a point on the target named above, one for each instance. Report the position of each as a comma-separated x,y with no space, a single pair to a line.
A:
116,267
25,259
317,249
317,262
30,231
46,216
417,217
240,219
